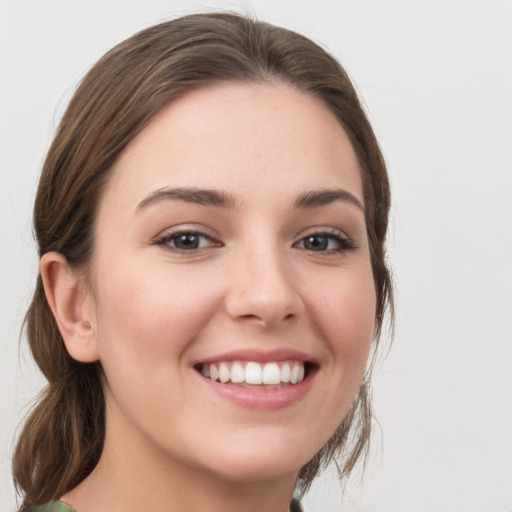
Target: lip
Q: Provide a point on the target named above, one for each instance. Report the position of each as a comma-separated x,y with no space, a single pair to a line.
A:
259,356
258,398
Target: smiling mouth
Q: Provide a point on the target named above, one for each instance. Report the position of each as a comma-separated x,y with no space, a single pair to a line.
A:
251,374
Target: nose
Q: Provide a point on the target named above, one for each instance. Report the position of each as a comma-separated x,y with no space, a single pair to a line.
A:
263,289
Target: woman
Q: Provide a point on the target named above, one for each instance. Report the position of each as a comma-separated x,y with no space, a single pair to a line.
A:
211,221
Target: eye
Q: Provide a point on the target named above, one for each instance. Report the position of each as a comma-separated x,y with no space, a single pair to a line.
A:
187,241
325,242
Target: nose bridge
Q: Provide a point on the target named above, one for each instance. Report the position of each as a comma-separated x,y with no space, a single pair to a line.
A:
263,285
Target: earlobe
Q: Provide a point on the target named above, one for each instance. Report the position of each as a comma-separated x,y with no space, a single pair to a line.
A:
68,298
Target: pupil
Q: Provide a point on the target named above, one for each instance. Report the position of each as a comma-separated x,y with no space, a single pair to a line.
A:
187,242
316,243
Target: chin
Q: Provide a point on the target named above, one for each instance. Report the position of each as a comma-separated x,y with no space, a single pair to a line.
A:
266,457
263,470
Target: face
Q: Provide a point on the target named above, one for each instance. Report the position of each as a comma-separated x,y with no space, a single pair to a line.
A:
231,283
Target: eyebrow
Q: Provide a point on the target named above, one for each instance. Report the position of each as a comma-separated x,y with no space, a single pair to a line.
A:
221,199
314,199
200,196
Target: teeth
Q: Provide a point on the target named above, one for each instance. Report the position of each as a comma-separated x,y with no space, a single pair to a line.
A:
285,373
237,373
224,373
271,374
294,375
253,373
300,374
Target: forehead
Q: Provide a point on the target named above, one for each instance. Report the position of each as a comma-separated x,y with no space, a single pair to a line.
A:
265,138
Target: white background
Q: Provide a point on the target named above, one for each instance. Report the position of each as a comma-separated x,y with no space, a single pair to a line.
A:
436,78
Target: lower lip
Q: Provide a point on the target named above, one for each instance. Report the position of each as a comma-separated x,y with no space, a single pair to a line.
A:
261,399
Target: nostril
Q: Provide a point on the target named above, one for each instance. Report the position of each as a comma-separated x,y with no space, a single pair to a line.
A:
263,302
250,317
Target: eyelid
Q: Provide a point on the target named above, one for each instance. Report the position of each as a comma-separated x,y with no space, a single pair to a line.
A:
165,236
345,241
186,228
325,231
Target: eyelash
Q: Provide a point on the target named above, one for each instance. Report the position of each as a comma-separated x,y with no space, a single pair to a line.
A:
343,243
166,240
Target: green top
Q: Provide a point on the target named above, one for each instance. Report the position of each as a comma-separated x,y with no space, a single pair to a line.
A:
53,506
59,506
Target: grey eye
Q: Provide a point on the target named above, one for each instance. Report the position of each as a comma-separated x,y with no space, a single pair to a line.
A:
325,242
186,241
316,243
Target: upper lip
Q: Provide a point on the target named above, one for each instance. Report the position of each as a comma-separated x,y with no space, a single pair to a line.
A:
259,356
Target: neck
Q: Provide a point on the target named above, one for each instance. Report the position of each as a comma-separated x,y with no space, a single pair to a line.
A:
130,479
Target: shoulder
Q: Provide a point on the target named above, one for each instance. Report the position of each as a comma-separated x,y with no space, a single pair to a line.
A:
52,506
59,506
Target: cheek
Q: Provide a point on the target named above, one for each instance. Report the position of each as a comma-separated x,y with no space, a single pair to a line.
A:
148,312
342,308
347,311
148,318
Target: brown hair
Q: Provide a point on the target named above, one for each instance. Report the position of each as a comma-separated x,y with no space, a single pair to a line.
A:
63,437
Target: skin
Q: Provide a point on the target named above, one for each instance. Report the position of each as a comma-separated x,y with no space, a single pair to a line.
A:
149,313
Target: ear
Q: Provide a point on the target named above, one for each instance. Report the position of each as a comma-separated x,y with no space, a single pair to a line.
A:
72,306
